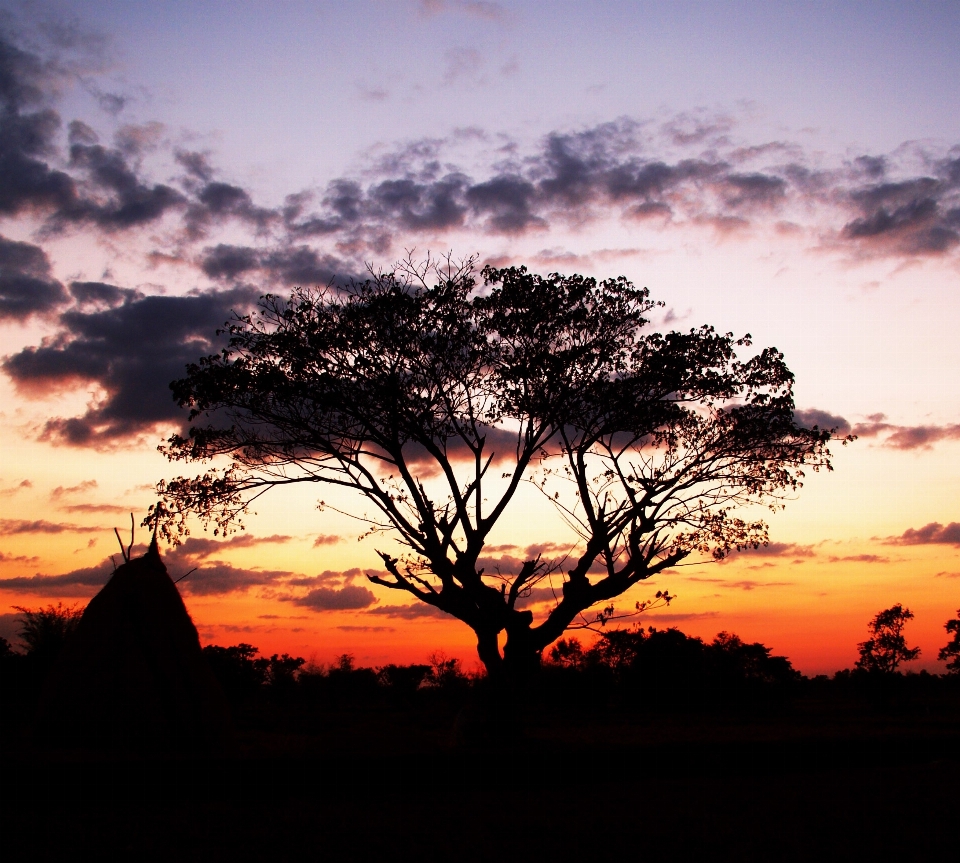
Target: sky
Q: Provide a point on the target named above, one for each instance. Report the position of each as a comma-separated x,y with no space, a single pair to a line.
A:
790,170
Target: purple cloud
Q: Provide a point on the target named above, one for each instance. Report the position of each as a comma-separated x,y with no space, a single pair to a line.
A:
349,597
933,533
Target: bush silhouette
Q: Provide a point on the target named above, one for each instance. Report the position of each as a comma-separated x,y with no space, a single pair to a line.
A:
44,631
951,652
887,648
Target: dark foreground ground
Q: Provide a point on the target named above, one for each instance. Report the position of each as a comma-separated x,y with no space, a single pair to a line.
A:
814,781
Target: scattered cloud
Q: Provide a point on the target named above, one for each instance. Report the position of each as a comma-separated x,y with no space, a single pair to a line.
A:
94,507
408,612
17,558
195,548
131,352
859,558
326,539
12,526
671,617
125,344
933,533
78,583
16,489
81,488
350,596
905,437
329,577
218,578
742,584
816,418
26,285
889,435
747,584
774,549
538,595
351,628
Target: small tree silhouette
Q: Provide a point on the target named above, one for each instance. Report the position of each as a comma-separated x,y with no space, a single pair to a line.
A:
951,652
887,648
45,630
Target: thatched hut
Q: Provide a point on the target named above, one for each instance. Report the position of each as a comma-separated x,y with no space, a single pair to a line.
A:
133,676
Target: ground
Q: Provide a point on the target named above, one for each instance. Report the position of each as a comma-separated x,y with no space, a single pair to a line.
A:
816,780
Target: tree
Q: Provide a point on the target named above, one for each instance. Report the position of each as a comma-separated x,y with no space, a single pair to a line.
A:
435,396
44,631
951,652
887,647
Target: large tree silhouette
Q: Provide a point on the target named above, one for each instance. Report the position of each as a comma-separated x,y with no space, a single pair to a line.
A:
434,394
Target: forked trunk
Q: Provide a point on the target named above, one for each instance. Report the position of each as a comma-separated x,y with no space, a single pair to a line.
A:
494,712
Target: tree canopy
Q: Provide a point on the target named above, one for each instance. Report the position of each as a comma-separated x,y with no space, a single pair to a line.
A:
434,391
887,647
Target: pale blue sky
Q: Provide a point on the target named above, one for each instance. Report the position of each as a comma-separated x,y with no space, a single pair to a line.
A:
291,93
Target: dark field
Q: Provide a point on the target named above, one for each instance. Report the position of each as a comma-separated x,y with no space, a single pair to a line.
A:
831,778
647,746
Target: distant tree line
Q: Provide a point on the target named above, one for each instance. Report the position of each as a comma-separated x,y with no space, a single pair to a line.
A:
637,668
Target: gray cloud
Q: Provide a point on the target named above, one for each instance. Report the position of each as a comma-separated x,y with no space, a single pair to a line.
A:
133,351
349,628
26,285
906,437
16,489
13,526
774,549
408,612
816,418
93,507
933,533
326,539
81,488
684,171
217,578
742,584
671,617
859,558
17,558
212,579
349,597
890,435
195,548
78,583
747,584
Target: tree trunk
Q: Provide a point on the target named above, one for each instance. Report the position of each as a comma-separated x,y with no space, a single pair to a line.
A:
494,713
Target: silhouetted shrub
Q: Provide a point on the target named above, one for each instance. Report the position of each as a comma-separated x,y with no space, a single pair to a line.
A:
667,669
246,676
951,652
44,631
403,682
883,652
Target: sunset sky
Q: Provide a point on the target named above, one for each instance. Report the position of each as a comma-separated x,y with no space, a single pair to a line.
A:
789,169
